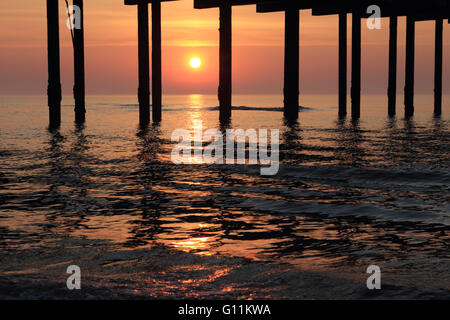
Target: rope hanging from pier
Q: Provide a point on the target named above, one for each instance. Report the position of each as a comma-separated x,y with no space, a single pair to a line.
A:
70,22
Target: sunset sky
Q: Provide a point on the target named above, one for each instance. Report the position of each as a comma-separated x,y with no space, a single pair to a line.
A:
111,50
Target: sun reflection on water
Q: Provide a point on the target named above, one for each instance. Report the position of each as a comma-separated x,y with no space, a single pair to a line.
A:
193,244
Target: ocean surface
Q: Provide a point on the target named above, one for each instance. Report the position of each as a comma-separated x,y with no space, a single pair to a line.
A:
106,197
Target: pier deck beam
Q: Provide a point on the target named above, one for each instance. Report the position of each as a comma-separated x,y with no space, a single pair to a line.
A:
392,80
54,68
225,62
438,67
79,68
342,64
356,65
156,61
291,63
409,66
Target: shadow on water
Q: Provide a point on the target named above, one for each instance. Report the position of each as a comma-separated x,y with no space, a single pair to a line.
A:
349,139
68,181
291,139
225,124
149,173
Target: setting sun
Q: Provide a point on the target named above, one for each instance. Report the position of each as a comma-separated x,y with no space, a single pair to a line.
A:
195,63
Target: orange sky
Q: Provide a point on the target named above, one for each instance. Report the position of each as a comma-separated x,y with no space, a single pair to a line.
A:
111,50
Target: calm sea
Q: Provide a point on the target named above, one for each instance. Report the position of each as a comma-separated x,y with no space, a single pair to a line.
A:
107,197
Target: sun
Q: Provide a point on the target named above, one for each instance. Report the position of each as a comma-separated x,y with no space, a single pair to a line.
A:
195,63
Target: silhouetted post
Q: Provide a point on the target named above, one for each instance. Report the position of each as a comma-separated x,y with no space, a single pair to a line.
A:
156,61
79,73
225,54
225,50
409,66
291,63
342,64
144,68
356,65
438,68
54,69
144,63
392,80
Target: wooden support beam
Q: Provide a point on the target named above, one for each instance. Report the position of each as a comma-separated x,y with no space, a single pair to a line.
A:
278,6
392,78
136,2
428,16
438,67
54,68
207,4
144,77
144,68
356,65
409,66
225,62
225,49
291,63
342,64
79,70
156,62
428,10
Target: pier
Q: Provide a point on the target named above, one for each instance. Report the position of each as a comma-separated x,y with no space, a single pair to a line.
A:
436,10
433,10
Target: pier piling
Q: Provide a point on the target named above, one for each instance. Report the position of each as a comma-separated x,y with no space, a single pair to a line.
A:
356,65
409,66
225,61
225,50
54,68
144,57
79,68
392,78
156,61
144,68
291,63
438,67
291,52
342,64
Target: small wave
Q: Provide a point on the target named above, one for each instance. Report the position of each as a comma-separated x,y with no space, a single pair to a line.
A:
134,105
247,108
392,184
215,108
162,272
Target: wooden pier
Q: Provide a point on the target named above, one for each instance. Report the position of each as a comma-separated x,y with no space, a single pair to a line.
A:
325,8
432,10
